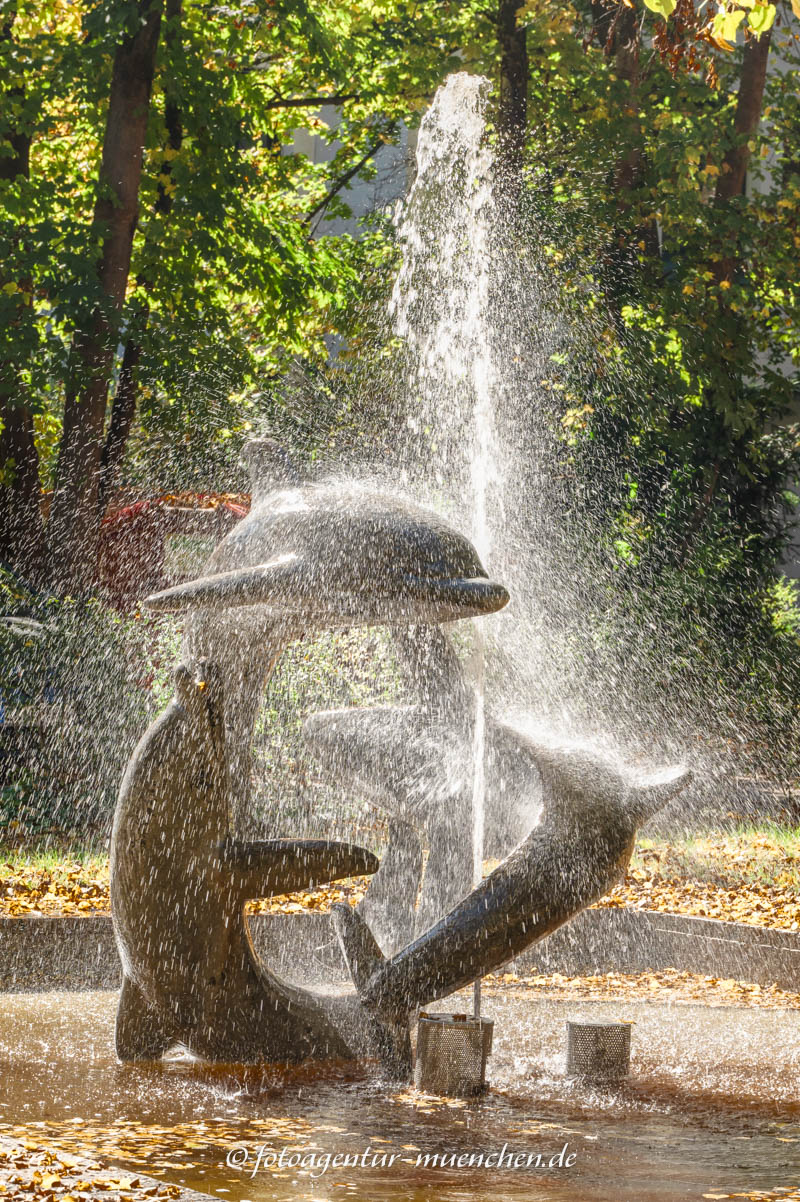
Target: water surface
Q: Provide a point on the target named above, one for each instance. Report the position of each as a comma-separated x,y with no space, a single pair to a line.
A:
711,1107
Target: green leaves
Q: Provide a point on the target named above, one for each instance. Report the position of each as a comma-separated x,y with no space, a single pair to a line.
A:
227,284
675,408
725,24
731,15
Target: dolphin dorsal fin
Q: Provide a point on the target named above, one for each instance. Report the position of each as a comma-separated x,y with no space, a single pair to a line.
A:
359,946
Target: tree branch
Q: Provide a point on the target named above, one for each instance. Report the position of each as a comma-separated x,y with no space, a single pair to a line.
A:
344,179
303,102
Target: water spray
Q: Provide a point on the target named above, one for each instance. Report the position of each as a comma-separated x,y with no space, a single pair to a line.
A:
478,778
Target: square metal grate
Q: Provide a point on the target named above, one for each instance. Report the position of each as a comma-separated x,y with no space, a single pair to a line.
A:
598,1051
452,1050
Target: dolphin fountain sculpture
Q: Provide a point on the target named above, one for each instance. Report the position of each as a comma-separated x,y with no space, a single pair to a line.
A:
316,556
416,762
416,765
179,882
576,853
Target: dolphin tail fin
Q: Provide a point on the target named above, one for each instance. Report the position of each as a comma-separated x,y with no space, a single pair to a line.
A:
654,793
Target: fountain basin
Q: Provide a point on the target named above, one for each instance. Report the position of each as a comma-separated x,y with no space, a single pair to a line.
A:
704,1111
79,953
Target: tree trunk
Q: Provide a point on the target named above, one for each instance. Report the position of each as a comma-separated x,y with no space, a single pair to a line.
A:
123,408
730,185
74,522
733,176
512,109
21,529
626,44
22,543
619,33
123,411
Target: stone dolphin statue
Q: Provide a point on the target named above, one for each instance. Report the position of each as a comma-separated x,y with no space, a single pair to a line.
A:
575,854
307,557
312,557
337,555
416,765
179,883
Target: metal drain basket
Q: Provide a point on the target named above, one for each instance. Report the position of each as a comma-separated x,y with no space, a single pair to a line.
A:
452,1050
598,1051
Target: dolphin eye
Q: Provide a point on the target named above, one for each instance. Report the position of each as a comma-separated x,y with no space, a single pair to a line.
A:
439,554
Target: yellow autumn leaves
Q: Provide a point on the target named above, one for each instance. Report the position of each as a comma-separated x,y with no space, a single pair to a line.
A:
39,1174
729,17
757,15
665,984
31,888
752,878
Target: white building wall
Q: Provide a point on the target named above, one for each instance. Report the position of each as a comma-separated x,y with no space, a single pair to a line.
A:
393,164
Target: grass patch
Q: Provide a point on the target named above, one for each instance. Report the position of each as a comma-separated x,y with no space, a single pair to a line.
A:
767,855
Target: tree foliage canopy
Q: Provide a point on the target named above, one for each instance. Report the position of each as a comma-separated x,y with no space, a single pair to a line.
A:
226,282
667,205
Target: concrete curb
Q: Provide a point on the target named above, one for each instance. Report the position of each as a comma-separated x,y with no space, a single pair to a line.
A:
38,954
628,940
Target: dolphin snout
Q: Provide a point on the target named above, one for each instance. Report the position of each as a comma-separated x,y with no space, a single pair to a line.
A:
323,727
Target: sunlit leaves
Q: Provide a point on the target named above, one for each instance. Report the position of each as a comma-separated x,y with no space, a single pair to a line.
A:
762,17
730,17
664,985
726,24
50,885
754,15
226,284
750,878
37,1172
664,8
696,374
